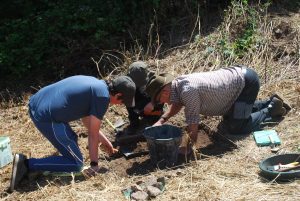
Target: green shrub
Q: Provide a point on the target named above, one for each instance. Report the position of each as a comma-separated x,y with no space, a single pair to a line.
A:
241,37
40,35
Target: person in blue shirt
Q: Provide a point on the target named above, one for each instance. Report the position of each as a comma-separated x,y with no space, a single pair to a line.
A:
54,106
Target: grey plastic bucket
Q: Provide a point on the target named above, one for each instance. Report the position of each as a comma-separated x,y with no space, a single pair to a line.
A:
163,143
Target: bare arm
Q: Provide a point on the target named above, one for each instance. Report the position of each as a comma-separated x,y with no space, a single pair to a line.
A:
149,110
173,110
93,125
95,137
193,132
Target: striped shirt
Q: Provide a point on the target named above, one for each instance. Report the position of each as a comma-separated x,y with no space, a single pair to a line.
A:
207,93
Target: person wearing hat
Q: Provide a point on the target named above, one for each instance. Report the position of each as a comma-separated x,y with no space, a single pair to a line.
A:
229,92
54,106
139,73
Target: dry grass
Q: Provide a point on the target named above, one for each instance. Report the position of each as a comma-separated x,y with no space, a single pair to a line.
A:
231,176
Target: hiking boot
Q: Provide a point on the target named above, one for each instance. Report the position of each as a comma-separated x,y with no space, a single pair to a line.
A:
286,104
19,171
276,108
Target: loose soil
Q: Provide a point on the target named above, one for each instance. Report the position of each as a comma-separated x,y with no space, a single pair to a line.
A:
209,143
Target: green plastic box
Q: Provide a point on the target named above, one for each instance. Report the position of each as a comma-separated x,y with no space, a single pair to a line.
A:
263,138
5,151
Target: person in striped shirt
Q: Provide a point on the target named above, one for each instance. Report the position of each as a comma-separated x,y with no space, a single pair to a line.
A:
230,92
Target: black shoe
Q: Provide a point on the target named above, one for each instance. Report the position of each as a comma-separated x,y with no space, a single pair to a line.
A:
276,108
285,103
19,171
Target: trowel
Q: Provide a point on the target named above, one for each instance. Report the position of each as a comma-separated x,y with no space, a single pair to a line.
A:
129,152
119,122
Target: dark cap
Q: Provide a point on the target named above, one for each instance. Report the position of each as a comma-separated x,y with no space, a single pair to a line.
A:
139,73
125,85
156,83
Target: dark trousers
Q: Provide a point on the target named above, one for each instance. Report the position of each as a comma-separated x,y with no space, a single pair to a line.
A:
141,100
246,114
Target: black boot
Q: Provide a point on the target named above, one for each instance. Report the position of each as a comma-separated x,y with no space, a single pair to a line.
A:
276,108
285,103
19,170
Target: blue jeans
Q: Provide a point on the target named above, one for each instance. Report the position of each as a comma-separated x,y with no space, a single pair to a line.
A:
64,139
257,111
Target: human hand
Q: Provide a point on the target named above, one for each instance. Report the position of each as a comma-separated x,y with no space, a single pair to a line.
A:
114,151
157,124
109,149
148,108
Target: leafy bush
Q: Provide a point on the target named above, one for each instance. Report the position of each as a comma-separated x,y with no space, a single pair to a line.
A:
241,35
38,35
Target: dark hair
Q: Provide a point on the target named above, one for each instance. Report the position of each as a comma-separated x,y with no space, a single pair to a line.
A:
112,90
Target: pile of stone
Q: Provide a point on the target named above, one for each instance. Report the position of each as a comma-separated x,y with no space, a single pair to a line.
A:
145,190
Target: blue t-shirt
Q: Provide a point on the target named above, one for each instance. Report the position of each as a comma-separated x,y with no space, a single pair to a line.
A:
70,99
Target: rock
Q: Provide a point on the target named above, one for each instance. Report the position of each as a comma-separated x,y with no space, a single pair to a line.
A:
153,191
159,185
151,181
127,192
162,180
139,195
139,182
136,187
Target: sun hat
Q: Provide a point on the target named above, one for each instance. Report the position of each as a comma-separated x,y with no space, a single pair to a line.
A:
126,86
156,83
139,73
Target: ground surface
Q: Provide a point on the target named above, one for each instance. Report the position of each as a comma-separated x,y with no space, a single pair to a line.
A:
225,167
